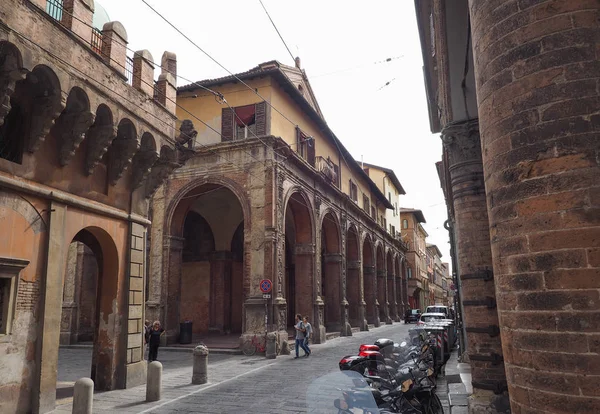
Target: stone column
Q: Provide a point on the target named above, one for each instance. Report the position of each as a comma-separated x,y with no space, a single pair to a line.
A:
172,281
73,274
356,308
333,274
306,304
384,315
539,108
393,305
372,306
462,144
50,304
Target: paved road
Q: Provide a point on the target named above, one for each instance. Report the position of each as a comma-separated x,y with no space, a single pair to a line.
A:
239,384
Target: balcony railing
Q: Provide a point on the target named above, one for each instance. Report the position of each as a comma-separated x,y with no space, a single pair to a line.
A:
96,42
55,9
129,70
327,168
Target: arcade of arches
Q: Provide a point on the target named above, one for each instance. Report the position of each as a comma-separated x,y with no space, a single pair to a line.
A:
337,275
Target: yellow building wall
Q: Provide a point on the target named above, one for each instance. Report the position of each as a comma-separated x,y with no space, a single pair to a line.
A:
205,107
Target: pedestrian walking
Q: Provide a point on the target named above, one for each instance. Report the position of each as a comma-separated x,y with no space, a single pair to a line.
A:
147,330
154,341
300,330
307,334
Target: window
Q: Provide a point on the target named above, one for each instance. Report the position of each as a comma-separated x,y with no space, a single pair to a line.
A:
409,273
366,203
390,197
373,213
404,224
384,223
244,122
305,146
393,230
353,191
9,276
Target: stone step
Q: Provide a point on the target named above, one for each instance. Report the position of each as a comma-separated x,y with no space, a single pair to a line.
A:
331,335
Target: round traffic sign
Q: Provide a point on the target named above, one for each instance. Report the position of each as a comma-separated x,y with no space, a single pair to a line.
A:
266,285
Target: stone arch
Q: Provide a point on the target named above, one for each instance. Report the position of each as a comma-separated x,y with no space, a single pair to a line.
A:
144,159
11,71
173,224
108,351
353,281
370,280
331,272
99,137
25,209
122,150
300,252
206,285
71,125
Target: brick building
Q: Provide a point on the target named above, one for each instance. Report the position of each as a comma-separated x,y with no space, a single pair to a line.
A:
271,193
414,236
83,146
513,88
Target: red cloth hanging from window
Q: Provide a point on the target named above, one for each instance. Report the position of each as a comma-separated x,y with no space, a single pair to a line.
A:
245,115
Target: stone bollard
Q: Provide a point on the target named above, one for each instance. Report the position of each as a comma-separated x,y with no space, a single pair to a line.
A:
154,381
200,372
271,346
83,396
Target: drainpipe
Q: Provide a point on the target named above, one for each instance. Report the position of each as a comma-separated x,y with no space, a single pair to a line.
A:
458,305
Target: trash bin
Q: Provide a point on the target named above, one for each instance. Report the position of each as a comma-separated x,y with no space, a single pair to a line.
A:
185,332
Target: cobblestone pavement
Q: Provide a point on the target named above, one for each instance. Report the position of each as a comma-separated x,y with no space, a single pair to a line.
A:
239,384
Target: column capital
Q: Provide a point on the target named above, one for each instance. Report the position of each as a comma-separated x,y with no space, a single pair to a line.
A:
462,142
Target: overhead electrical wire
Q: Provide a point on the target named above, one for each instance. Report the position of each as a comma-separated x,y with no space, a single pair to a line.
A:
277,30
233,75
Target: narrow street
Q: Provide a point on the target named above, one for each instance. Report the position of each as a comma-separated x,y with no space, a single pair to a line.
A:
237,384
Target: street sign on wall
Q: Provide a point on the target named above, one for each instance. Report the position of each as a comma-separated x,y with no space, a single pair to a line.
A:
266,285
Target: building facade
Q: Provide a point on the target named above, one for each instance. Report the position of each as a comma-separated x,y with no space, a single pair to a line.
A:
414,236
512,87
438,292
389,184
271,193
83,146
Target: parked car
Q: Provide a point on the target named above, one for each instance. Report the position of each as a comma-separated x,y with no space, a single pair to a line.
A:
439,309
412,315
430,317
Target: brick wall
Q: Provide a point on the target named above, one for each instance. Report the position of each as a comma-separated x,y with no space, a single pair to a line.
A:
538,75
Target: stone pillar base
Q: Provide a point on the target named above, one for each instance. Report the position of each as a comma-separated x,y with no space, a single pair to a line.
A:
485,402
135,374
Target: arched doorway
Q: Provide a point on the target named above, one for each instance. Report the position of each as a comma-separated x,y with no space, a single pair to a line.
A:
353,285
205,280
331,273
370,282
90,287
381,285
299,259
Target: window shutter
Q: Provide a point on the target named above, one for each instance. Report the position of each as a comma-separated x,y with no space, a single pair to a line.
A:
299,142
310,149
227,124
338,180
261,119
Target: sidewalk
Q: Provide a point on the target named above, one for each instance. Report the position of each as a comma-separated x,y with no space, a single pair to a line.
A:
454,386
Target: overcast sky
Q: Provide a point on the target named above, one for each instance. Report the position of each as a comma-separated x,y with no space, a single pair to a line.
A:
339,43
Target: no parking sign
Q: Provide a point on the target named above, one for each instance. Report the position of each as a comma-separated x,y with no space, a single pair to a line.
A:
266,285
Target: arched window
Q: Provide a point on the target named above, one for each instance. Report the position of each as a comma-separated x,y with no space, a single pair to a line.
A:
405,224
